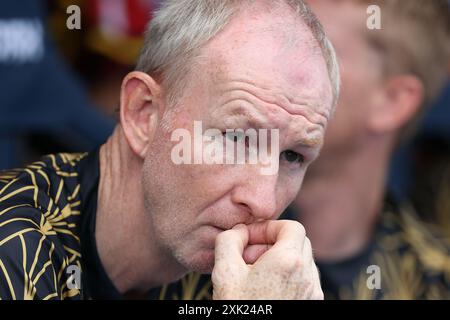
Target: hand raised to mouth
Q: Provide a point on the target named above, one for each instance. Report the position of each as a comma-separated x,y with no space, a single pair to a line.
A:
265,260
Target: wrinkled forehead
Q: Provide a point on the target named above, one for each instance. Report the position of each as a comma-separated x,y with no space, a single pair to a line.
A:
285,60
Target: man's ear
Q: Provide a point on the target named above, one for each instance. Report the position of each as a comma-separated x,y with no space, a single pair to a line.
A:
141,108
401,98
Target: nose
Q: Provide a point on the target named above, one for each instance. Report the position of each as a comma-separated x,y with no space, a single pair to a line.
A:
258,195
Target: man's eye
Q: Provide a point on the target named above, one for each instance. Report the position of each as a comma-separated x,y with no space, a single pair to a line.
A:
234,136
292,157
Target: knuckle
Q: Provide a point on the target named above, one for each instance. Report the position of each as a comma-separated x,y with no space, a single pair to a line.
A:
290,263
299,228
297,264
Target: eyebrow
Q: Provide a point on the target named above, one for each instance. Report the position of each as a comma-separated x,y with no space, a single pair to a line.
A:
242,113
313,143
249,114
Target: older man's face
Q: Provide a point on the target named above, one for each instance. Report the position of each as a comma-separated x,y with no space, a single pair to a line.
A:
255,74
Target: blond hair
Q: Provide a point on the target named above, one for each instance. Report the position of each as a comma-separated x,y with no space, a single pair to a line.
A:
414,39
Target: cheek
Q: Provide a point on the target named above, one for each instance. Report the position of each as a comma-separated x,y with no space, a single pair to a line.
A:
290,186
187,188
165,183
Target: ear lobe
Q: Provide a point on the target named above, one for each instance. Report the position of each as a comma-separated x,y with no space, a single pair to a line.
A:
401,100
140,109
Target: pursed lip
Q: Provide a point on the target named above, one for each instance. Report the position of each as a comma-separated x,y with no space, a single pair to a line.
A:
225,227
218,228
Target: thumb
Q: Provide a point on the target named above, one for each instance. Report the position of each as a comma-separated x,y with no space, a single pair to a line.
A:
254,251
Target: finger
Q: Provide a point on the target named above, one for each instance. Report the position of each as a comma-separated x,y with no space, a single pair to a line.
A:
257,233
254,251
280,233
230,246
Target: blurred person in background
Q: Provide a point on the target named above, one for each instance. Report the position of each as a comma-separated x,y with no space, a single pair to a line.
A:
388,77
43,105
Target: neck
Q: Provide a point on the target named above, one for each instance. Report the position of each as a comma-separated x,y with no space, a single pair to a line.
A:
126,245
341,199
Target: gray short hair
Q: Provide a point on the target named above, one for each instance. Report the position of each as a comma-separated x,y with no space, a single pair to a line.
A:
180,28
